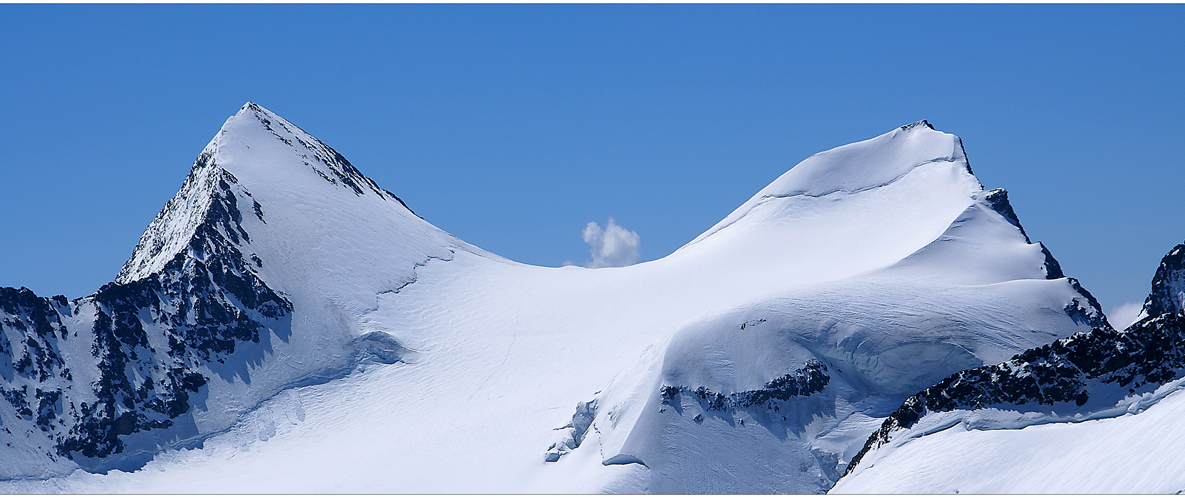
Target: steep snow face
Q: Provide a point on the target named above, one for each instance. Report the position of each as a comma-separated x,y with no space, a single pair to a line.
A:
960,434
757,358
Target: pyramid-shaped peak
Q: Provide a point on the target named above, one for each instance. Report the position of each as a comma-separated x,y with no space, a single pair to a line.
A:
263,115
252,116
256,141
252,107
258,151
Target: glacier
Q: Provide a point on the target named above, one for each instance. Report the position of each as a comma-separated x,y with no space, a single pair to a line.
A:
285,325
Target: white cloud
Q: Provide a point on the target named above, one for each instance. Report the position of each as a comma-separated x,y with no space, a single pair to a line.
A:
1125,314
613,246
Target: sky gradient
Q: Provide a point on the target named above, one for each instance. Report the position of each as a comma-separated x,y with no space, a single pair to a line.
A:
513,127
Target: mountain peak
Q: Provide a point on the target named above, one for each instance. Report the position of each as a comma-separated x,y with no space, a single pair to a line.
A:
868,164
864,166
250,110
919,123
259,147
265,117
1168,285
258,141
251,116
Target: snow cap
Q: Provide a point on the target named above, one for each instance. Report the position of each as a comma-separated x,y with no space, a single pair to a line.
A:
859,166
868,164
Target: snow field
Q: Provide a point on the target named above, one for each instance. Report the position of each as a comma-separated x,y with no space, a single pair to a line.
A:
1136,452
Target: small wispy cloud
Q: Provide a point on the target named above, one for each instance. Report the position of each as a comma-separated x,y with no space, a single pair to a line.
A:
1124,314
613,246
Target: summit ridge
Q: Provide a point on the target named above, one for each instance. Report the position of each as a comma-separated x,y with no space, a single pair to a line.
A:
863,166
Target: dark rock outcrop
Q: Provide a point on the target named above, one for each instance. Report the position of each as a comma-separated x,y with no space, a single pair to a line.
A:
1168,285
809,379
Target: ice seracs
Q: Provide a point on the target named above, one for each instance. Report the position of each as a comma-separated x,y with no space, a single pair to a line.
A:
374,352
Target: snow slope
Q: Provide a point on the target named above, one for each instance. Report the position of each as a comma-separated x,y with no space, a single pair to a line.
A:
1135,452
757,358
1092,413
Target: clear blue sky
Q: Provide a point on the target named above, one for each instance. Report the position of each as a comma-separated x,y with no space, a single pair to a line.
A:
514,126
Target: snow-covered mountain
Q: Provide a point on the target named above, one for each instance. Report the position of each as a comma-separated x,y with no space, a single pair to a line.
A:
202,315
285,325
1091,413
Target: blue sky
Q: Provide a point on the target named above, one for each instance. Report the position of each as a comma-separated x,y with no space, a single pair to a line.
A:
512,127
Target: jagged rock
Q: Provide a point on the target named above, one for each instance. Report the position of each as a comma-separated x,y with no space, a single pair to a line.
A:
809,379
1168,285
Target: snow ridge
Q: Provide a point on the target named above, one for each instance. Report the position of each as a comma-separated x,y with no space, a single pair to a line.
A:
177,222
117,372
323,158
1088,373
857,167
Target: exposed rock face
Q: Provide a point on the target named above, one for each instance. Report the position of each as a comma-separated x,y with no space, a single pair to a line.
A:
998,200
809,379
1168,286
1086,309
147,344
